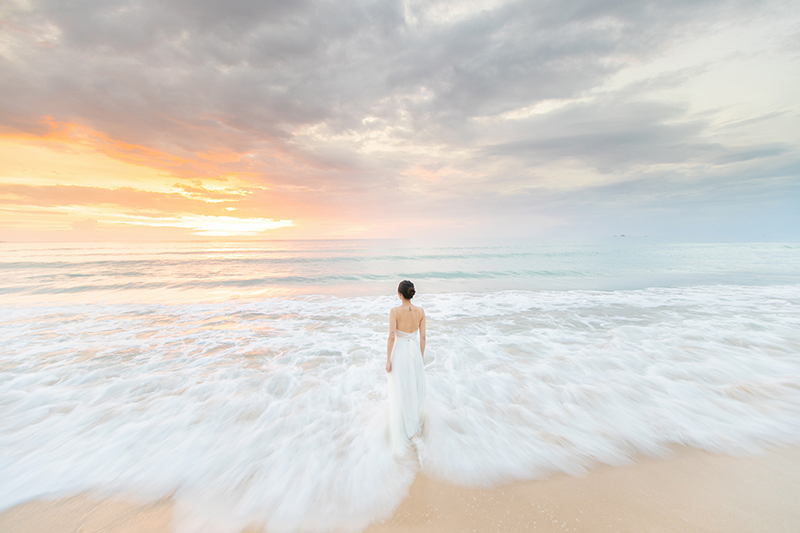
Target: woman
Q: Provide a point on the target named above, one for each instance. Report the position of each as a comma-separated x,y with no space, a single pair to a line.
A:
404,366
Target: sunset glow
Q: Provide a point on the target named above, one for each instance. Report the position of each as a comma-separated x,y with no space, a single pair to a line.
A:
73,177
213,226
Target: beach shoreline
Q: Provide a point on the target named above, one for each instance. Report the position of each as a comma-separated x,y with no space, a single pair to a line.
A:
690,490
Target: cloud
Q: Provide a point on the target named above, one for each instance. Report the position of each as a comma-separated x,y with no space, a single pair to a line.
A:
88,225
76,195
436,107
615,135
129,207
147,71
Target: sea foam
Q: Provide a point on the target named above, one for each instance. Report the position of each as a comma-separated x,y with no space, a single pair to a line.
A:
273,412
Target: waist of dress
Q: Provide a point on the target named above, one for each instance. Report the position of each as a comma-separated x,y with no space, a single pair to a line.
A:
404,336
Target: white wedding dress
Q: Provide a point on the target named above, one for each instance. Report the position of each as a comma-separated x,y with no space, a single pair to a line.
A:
406,391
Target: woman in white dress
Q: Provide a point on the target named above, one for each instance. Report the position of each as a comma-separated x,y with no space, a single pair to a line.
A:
406,373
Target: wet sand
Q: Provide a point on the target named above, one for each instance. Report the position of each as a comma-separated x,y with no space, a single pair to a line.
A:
688,491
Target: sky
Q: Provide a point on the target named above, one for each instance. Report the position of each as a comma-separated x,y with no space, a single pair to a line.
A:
260,119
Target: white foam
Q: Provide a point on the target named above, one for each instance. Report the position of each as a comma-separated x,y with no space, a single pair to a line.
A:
273,412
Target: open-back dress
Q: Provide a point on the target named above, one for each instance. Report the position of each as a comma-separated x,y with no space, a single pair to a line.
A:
406,390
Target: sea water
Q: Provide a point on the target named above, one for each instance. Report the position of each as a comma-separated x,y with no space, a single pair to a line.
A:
247,380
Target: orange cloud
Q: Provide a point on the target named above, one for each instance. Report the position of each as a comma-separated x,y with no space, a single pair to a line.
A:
220,157
67,135
69,174
77,195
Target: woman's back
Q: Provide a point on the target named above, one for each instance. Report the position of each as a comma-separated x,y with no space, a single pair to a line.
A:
408,317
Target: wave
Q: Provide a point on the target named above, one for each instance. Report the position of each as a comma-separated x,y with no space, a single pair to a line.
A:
273,412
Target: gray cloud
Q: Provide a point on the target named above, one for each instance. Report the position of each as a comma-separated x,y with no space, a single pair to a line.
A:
271,66
613,135
249,75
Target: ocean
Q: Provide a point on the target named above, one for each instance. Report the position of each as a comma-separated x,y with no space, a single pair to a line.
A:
247,380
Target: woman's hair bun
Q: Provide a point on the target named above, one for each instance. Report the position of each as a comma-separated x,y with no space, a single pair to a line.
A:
406,289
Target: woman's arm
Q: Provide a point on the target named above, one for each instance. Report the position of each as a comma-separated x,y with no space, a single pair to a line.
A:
390,341
422,333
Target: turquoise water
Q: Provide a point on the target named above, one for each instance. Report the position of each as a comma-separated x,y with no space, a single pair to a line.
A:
186,272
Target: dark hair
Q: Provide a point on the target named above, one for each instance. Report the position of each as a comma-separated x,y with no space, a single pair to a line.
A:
406,289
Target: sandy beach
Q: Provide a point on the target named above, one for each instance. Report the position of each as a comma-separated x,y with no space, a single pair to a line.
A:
690,490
